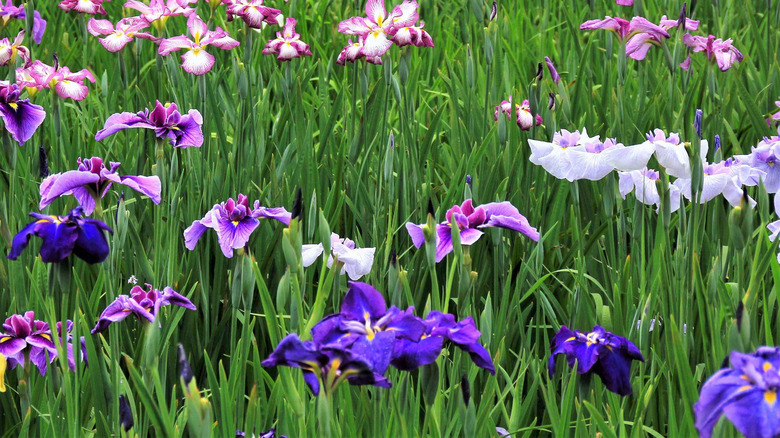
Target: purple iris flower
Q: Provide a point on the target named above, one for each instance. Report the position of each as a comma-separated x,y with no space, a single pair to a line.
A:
746,393
91,181
324,366
765,156
63,235
20,117
166,120
723,53
144,304
67,342
599,352
234,222
25,337
270,434
553,72
470,220
639,34
8,11
367,327
441,327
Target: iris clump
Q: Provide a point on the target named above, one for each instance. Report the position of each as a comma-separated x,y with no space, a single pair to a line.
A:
365,338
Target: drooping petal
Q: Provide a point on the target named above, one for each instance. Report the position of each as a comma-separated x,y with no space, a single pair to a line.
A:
197,61
22,119
91,245
62,183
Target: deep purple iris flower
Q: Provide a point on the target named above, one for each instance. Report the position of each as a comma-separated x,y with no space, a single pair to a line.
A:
470,221
23,337
143,304
166,120
599,352
20,117
367,327
63,235
441,327
746,393
324,366
91,181
8,11
234,222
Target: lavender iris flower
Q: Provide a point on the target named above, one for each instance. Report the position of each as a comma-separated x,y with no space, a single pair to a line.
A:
91,181
765,157
746,393
470,220
440,327
182,130
324,366
234,222
63,235
20,117
143,304
599,352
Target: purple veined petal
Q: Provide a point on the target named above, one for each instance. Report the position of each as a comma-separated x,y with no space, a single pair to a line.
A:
99,27
403,324
310,253
173,44
405,14
38,358
59,240
443,241
469,236
148,185
375,11
416,233
114,43
312,381
63,183
638,45
197,61
362,302
278,213
120,121
85,199
21,240
39,27
117,311
628,158
686,65
409,355
354,26
171,297
22,119
328,332
194,232
505,215
377,351
71,89
10,346
91,245
225,42
720,390
234,235
189,131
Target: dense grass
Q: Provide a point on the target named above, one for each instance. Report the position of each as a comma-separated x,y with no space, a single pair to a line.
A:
273,127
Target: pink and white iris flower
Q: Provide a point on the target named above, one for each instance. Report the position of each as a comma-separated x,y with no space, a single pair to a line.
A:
196,59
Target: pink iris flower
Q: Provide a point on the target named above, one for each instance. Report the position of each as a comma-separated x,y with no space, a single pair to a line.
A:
525,120
117,37
196,59
9,50
288,44
354,51
639,34
625,2
378,30
90,7
722,52
67,84
668,24
253,12
158,11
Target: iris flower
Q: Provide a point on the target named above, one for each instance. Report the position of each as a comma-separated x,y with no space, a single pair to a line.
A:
724,178
379,29
525,120
63,235
599,352
639,34
157,12
356,262
441,327
672,154
234,222
196,59
354,51
90,7
252,12
745,392
288,44
723,53
117,37
324,367
23,337
20,117
166,120
67,84
765,157
8,11
470,220
9,50
91,181
367,327
643,184
143,304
